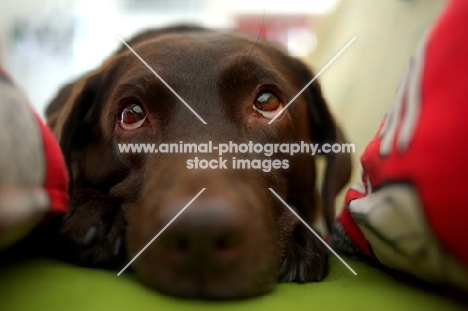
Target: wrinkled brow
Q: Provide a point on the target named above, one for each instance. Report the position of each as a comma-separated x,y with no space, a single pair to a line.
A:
137,84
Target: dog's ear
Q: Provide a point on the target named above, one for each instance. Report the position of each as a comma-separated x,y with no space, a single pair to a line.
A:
324,130
84,133
75,100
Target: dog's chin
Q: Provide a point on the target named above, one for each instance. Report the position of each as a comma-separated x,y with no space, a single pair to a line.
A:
225,257
251,272
209,288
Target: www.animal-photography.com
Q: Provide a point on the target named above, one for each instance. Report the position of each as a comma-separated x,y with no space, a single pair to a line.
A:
217,155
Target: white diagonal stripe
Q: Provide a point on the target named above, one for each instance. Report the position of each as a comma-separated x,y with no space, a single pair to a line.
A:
312,230
162,80
160,232
315,78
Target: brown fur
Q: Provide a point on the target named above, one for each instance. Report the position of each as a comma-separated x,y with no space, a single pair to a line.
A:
133,196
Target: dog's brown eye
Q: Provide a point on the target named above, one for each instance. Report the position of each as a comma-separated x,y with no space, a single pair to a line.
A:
267,104
132,116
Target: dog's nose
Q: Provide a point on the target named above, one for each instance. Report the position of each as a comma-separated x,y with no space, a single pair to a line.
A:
207,238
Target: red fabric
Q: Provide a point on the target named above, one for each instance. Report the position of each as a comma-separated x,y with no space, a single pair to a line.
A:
352,230
435,161
56,177
446,98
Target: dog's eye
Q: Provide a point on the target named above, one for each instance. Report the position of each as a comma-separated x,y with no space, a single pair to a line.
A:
267,104
132,116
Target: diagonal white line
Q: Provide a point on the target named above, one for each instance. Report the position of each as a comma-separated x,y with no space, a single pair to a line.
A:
162,80
312,230
162,230
315,78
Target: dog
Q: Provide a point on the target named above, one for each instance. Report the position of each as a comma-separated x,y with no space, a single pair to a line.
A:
236,239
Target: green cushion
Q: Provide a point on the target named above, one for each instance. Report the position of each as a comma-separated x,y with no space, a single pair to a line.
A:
43,284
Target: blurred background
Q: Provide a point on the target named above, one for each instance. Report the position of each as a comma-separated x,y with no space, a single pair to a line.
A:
48,42
45,43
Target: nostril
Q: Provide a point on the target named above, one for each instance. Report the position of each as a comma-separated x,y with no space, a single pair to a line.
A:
212,233
227,245
182,246
175,245
227,241
222,243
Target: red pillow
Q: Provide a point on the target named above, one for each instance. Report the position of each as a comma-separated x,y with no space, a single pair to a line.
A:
410,211
33,175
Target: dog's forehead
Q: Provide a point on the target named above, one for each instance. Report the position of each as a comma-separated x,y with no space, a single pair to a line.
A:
199,41
209,60
207,51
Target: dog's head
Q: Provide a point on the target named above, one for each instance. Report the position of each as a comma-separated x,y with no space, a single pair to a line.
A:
236,239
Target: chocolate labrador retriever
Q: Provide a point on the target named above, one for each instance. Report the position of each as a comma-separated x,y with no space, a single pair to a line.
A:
236,239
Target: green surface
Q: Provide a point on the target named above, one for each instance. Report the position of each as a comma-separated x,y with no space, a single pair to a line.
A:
49,285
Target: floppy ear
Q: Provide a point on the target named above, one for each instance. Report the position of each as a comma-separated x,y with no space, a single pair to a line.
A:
75,101
338,165
84,135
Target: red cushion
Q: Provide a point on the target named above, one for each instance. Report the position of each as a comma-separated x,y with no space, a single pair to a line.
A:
411,205
33,174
